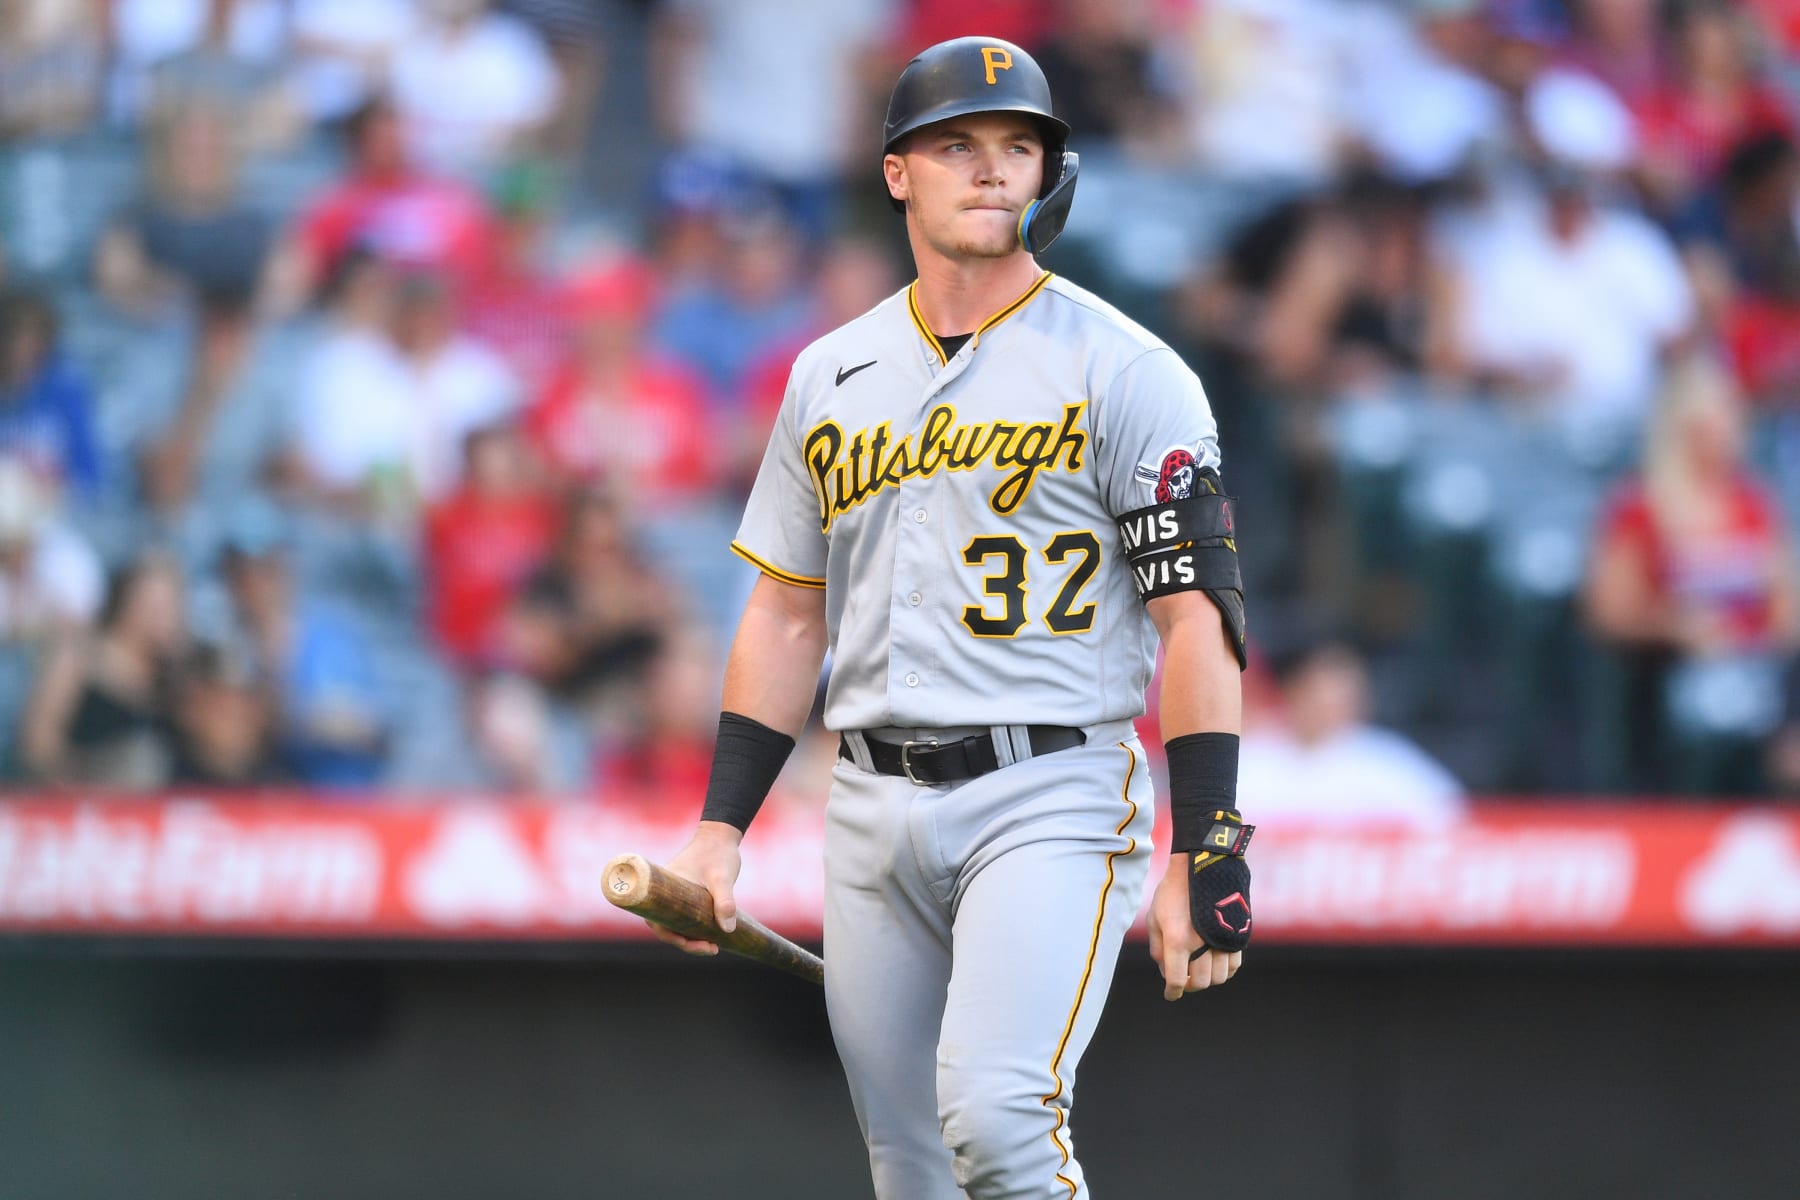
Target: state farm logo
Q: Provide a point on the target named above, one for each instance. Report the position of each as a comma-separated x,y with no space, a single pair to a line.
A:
1517,881
475,870
183,865
1749,883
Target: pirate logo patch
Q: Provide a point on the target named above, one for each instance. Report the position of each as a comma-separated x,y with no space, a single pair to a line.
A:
1175,478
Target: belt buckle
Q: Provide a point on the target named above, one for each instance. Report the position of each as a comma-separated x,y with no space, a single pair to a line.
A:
906,749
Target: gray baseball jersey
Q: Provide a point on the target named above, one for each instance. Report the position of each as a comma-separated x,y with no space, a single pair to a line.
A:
960,513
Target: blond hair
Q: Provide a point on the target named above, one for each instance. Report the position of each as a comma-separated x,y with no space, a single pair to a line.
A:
1695,387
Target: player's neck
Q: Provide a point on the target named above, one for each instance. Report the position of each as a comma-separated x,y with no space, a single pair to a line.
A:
956,296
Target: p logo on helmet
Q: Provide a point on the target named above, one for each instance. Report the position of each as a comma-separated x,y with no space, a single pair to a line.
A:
995,58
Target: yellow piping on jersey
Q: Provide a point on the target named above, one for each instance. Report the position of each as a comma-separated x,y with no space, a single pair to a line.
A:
931,339
775,572
918,320
1029,294
1088,972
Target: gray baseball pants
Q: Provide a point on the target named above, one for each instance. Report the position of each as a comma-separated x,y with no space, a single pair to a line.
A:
971,933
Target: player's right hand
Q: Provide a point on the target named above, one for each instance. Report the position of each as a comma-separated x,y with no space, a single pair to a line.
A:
710,859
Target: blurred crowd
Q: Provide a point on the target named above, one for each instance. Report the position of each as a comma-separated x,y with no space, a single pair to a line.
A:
380,380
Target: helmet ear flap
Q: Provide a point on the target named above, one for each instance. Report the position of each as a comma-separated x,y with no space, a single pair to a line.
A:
1043,219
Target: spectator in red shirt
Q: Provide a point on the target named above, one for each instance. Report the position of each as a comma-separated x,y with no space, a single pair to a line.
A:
1762,333
1694,584
616,415
484,540
927,22
513,305
1754,248
1714,101
387,206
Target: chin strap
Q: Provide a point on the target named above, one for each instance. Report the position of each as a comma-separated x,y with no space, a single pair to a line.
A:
1043,219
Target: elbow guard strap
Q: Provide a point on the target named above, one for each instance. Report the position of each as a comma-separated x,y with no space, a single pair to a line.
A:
1189,544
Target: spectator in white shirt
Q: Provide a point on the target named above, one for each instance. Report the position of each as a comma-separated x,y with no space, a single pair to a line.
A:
1564,302
49,578
52,68
1252,66
390,392
472,86
225,48
773,86
1415,96
342,49
1319,761
1554,294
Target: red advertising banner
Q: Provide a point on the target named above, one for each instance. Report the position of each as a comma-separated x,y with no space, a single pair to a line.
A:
450,869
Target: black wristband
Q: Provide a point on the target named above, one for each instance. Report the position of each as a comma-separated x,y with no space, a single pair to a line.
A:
746,759
1202,782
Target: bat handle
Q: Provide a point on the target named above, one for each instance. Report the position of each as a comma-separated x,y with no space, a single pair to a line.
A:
634,883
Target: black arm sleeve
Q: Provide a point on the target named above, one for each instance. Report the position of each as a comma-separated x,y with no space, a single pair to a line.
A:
746,759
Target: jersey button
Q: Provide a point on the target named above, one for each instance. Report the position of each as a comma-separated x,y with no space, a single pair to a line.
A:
919,516
912,680
915,599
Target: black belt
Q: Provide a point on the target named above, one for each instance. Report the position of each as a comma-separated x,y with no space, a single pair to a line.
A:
930,762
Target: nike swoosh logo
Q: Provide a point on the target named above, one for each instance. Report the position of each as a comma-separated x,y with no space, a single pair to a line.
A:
846,372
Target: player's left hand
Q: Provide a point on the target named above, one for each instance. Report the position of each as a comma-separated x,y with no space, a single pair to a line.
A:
1174,941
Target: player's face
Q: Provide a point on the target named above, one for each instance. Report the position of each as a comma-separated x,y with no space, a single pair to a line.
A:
966,180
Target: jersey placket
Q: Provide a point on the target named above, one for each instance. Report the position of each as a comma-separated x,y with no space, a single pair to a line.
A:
917,624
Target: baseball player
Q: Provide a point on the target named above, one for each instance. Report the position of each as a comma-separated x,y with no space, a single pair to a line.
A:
988,496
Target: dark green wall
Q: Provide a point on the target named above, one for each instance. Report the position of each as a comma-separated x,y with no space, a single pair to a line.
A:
1368,1077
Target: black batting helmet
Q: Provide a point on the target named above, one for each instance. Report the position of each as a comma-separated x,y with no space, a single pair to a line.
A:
977,75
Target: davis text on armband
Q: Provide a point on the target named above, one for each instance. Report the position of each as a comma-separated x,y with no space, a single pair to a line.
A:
1158,575
1148,527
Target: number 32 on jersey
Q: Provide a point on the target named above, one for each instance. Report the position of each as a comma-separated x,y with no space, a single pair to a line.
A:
1007,584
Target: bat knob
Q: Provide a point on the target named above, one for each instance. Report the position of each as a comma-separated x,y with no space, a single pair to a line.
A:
627,880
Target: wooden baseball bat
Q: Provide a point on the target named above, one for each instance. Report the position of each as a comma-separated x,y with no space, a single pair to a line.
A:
635,884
